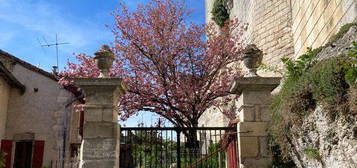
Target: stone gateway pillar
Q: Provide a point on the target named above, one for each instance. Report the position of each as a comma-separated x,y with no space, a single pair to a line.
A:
101,131
254,113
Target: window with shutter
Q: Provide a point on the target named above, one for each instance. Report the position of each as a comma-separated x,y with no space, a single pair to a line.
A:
37,156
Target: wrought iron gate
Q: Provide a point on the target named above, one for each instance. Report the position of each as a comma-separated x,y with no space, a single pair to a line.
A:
172,147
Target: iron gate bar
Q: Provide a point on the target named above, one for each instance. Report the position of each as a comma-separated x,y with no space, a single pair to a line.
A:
152,139
178,149
176,128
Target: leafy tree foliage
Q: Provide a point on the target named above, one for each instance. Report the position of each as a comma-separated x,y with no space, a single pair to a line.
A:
168,65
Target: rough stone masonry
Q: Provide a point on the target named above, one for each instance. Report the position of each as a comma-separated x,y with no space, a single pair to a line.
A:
101,145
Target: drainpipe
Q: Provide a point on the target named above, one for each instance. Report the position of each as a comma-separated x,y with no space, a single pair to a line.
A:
64,136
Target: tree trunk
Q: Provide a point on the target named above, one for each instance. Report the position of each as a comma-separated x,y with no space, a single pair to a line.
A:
191,135
192,140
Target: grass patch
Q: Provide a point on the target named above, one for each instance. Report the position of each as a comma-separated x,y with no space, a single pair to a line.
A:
312,153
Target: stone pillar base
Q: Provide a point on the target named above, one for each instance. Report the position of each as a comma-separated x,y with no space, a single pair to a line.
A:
101,132
253,114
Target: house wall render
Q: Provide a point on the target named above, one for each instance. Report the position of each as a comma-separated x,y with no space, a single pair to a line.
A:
38,114
4,99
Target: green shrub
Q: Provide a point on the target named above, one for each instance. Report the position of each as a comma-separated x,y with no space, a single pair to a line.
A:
351,74
220,13
306,84
295,68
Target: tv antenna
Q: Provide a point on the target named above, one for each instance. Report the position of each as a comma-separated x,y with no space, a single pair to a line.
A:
55,68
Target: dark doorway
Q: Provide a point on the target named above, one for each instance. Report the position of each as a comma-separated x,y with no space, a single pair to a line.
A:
23,154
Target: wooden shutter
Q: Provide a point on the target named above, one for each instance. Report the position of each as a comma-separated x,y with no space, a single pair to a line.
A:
37,156
6,146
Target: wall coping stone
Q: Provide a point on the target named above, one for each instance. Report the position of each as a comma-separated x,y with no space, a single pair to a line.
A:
100,82
254,83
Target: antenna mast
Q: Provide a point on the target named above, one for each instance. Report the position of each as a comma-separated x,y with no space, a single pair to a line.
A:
55,68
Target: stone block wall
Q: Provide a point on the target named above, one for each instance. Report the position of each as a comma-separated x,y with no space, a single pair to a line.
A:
254,117
314,22
213,118
269,26
285,28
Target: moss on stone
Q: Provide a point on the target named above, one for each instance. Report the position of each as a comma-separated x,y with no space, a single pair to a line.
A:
312,153
343,30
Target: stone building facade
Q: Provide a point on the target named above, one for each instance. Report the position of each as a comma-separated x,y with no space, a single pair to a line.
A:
281,29
285,28
36,116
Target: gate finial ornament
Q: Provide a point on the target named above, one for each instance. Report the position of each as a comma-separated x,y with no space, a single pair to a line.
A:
104,60
252,59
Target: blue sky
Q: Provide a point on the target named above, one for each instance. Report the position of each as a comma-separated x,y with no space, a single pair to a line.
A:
80,22
25,24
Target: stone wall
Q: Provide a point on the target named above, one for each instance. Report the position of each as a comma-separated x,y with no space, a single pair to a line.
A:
285,28
213,118
314,22
253,118
4,99
269,27
75,127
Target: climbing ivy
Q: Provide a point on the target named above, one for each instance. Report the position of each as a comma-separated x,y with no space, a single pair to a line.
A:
220,13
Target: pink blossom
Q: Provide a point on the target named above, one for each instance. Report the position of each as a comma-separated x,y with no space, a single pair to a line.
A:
169,67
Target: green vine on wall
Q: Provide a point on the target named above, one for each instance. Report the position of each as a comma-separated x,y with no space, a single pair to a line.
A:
220,13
